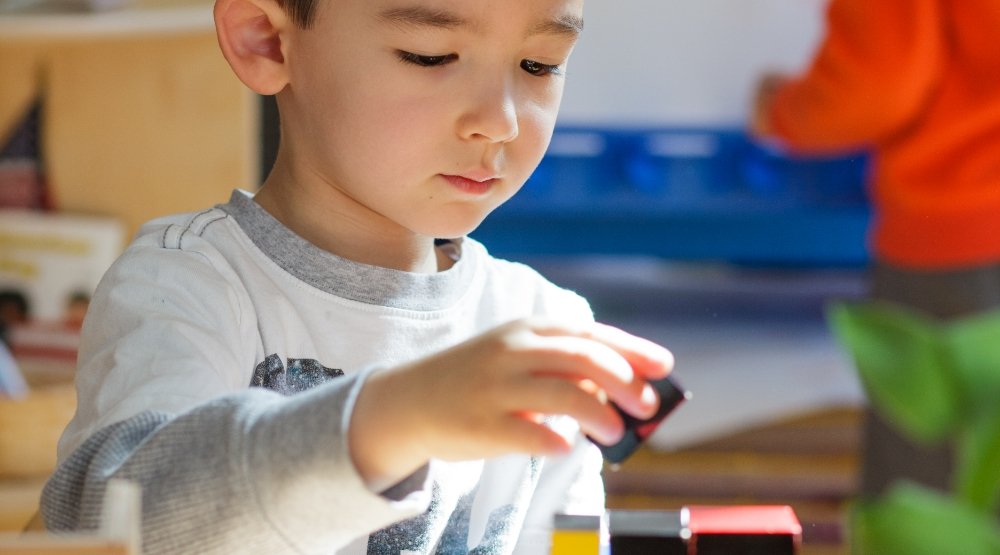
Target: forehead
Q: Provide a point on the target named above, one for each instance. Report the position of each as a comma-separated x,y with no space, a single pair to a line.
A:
532,16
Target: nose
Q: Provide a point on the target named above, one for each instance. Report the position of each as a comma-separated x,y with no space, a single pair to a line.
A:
491,113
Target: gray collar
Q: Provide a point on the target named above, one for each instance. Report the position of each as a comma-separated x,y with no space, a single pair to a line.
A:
345,278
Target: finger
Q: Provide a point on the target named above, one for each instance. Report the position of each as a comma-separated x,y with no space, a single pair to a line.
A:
576,358
524,434
558,396
648,359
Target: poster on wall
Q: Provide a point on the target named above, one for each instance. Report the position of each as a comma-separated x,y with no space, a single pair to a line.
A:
50,264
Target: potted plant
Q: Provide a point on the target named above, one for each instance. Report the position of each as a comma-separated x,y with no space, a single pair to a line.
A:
937,382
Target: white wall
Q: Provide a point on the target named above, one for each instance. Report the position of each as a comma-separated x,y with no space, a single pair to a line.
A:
683,62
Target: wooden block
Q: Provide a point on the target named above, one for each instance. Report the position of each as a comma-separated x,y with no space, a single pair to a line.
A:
642,532
19,503
119,533
576,535
718,530
31,429
48,545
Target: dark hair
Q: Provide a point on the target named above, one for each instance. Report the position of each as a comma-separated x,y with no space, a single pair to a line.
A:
301,11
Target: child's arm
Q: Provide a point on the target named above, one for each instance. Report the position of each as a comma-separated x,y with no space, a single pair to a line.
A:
168,354
252,472
871,75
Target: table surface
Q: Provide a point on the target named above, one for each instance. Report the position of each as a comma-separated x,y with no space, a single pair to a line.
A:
136,17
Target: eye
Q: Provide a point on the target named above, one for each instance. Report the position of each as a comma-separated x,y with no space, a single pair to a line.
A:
539,69
426,61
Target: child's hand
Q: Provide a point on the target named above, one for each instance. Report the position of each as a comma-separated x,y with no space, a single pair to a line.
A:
487,397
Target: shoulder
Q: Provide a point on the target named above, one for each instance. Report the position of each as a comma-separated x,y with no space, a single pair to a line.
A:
208,239
205,230
191,255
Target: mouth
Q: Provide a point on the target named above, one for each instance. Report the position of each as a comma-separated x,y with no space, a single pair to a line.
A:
475,185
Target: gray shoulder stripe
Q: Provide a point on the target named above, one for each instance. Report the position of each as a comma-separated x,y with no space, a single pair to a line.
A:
173,235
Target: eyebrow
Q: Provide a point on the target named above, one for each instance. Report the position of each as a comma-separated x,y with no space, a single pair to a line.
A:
565,25
419,16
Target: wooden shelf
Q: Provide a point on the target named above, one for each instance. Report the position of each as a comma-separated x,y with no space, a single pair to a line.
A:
142,17
141,115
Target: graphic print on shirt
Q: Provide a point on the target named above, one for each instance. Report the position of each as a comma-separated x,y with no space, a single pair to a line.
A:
410,535
499,537
300,375
503,526
415,535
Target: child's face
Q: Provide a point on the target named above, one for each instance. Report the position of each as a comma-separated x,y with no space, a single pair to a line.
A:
426,114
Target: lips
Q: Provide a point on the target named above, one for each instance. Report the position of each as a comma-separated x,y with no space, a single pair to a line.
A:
472,183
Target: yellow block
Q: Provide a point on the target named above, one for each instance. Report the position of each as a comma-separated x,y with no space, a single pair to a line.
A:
575,542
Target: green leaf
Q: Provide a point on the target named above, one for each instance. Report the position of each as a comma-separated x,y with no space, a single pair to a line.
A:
900,359
974,349
978,463
912,520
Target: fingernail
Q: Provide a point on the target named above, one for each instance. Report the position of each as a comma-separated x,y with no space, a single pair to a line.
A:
649,396
612,435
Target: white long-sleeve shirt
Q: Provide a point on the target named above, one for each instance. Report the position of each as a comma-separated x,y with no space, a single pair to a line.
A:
203,307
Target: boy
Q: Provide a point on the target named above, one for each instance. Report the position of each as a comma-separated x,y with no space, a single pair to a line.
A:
440,395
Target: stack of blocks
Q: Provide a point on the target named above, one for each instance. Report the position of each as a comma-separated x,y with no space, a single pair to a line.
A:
695,530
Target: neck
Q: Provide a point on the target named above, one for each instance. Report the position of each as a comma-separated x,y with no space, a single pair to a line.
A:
337,225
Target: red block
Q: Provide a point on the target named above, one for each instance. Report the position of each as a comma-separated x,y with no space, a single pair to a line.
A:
746,529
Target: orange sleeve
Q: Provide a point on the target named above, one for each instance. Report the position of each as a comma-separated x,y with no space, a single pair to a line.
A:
873,71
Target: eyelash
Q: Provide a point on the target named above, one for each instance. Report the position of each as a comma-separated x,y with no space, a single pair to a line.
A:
537,69
426,61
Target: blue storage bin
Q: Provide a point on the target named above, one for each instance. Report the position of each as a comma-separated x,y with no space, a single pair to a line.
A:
682,168
578,166
685,193
771,172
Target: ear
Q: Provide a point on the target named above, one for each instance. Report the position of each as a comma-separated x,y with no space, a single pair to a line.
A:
250,35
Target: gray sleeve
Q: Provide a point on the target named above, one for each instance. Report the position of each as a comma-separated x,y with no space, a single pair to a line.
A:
253,472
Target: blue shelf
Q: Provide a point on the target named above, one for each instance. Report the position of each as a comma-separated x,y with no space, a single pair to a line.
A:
687,194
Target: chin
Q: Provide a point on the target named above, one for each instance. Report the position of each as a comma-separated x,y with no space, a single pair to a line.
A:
455,227
452,232
457,220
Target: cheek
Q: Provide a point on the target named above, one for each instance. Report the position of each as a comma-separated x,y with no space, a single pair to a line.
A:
536,125
396,137
371,124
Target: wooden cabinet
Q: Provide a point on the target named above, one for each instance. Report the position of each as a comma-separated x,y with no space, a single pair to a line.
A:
141,115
